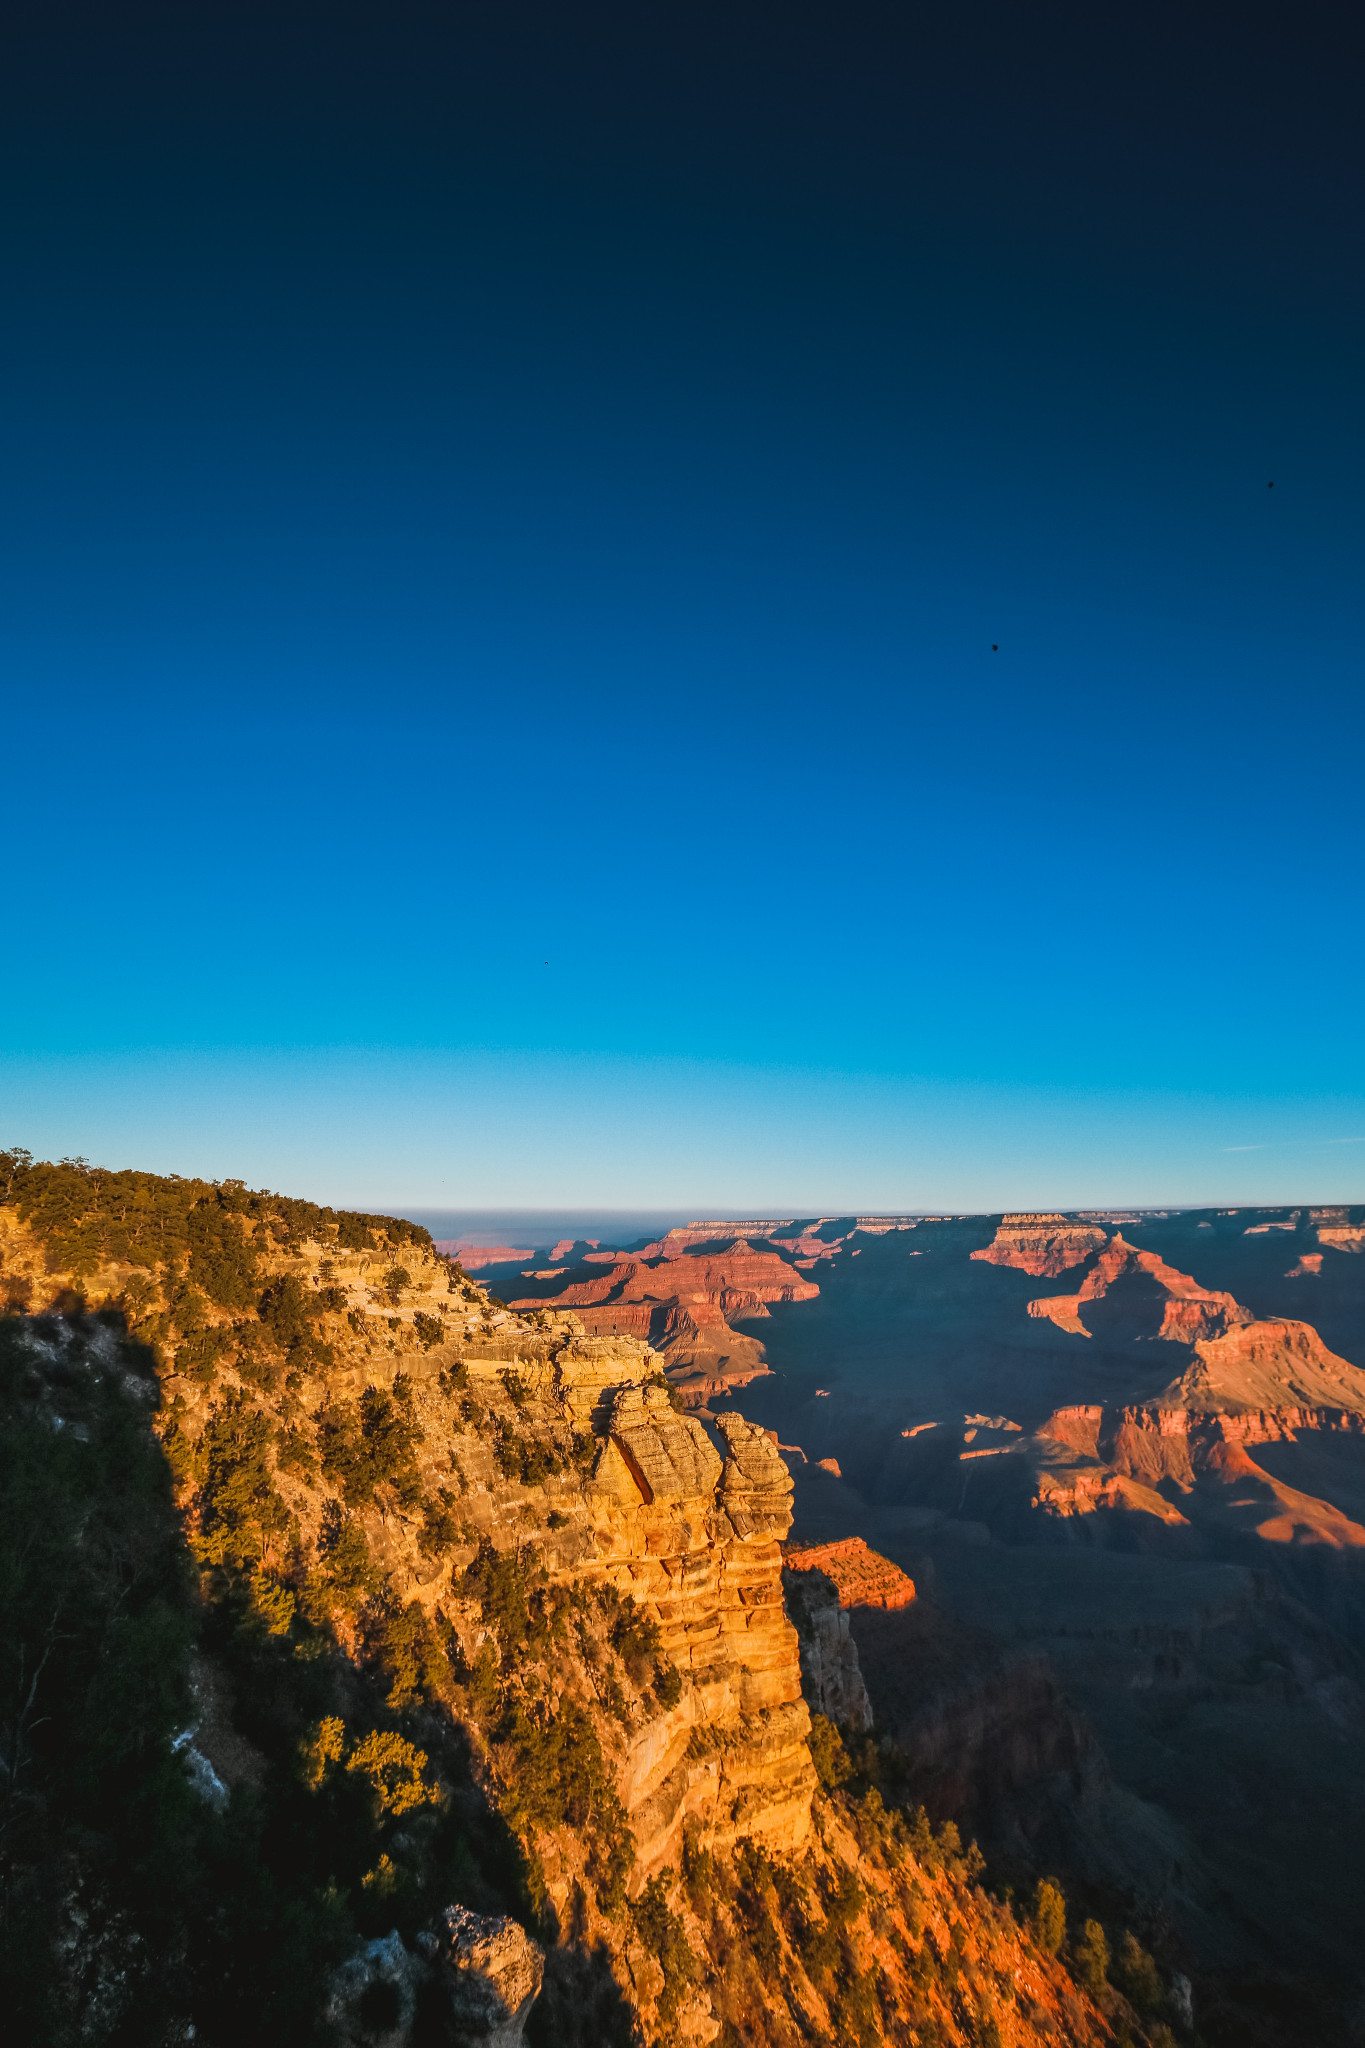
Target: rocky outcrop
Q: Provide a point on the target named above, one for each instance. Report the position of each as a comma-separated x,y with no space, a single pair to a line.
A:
488,1973
863,1579
1144,1298
1088,1459
636,1498
708,1562
684,1303
474,1981
737,1282
372,1999
830,1673
1274,1364
826,1583
682,1241
495,1534
691,1529
1073,1477
1042,1245
1341,1230
808,1247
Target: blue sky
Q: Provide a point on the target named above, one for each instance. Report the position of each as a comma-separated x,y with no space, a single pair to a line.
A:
682,606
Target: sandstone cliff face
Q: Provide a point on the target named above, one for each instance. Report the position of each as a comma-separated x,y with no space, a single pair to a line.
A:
695,1540
825,1584
1340,1230
688,1525
690,1532
1042,1245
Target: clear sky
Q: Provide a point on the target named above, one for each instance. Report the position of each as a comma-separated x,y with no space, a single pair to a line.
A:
681,604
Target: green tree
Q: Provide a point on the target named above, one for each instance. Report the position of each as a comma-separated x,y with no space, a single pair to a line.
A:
1138,1976
660,1931
394,1281
828,1754
241,1507
1092,1958
1049,1916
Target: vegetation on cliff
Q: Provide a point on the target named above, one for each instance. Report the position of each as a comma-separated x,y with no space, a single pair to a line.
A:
332,1594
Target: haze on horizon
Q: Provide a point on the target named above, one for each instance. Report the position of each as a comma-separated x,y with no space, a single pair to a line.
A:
714,609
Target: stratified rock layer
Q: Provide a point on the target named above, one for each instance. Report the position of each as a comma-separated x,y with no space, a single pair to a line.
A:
696,1540
1276,1363
690,1526
1146,1296
1042,1245
862,1578
684,1303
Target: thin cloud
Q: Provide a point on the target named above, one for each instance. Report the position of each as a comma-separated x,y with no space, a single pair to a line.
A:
1241,1148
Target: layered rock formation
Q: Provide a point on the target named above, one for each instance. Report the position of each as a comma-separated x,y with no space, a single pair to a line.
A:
687,1525
1263,1383
474,1257
862,1578
825,1583
695,1540
1273,1364
1337,1230
1042,1245
1144,1297
684,1303
685,1238
691,1533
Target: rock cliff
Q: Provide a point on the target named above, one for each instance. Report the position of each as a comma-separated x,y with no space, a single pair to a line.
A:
830,1671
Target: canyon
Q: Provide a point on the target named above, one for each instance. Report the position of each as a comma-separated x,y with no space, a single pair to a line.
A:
1133,1510
681,1298
686,1616
489,1707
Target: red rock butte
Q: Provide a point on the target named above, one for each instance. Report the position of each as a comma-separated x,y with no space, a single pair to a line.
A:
863,1578
1188,1312
1042,1245
685,1303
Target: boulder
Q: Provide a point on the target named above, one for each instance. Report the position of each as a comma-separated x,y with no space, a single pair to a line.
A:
489,1973
473,1981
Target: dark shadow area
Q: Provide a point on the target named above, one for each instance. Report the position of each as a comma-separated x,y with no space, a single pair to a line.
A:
162,1855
